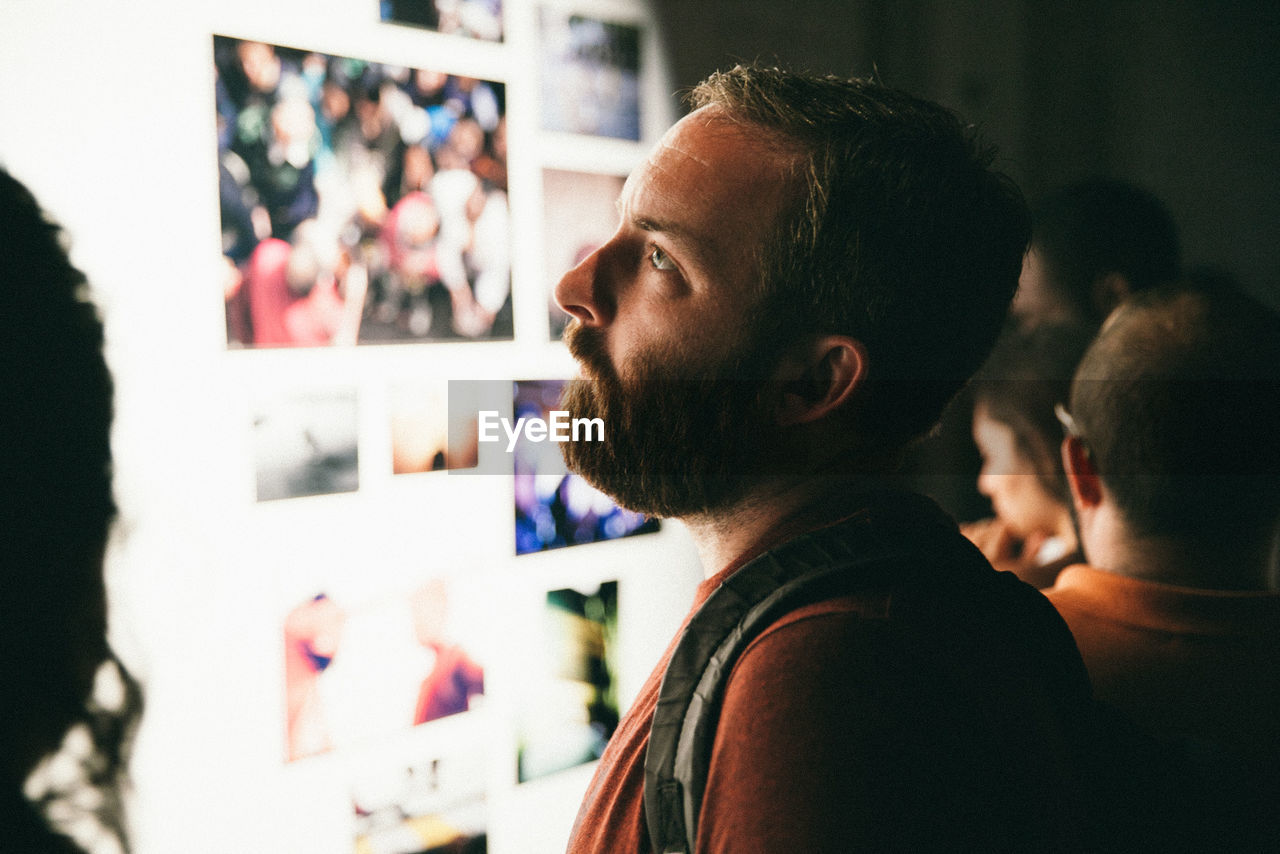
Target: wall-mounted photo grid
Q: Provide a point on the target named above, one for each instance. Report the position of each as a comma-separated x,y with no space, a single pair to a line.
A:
449,638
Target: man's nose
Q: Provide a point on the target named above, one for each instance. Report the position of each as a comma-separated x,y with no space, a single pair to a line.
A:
581,292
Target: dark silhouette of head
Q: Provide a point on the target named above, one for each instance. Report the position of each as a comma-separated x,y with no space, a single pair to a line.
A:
1178,405
57,505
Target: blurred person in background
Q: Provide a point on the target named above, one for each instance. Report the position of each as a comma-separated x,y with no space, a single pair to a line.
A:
278,147
306,292
56,512
412,267
472,245
1093,243
1032,533
1174,469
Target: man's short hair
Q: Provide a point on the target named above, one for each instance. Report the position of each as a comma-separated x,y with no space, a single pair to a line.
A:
1099,226
1178,402
904,237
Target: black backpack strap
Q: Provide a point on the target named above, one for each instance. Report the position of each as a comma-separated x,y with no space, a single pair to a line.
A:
811,568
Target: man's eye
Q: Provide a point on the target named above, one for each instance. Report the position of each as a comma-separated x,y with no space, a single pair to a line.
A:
660,260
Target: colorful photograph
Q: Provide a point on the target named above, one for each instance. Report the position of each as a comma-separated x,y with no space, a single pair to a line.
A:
555,509
590,75
476,19
359,671
433,805
579,215
426,435
360,202
572,710
305,444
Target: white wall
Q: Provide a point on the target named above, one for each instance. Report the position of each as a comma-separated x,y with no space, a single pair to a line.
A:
106,112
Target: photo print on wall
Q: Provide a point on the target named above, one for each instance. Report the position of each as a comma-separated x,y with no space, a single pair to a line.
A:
579,215
477,19
590,75
553,508
432,802
428,435
358,672
571,709
360,202
305,444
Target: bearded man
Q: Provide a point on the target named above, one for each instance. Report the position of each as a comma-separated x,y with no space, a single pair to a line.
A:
807,269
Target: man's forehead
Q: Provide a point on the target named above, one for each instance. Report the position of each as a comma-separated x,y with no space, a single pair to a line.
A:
707,164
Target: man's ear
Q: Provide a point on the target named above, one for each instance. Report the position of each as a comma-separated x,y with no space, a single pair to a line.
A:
819,377
1082,475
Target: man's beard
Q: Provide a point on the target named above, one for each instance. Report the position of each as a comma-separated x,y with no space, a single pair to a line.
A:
675,444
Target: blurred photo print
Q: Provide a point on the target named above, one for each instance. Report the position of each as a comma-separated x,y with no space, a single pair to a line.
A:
305,444
476,19
431,805
571,709
360,202
360,669
590,75
579,215
553,508
426,434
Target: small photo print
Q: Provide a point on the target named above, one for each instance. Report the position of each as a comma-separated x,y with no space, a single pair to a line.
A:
590,75
573,708
306,444
426,435
431,805
555,509
579,216
360,202
355,673
476,19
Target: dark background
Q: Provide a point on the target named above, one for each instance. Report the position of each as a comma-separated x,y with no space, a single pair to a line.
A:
1179,96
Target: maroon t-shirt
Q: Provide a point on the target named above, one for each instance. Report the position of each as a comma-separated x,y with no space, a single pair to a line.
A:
612,815
845,725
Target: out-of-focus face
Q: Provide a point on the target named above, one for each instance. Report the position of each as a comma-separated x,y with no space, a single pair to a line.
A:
662,314
1035,302
418,168
261,65
1009,479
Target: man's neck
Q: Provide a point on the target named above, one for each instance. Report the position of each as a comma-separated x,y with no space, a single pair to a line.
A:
752,524
1226,566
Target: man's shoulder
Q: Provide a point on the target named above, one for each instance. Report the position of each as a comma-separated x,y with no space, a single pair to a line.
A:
935,599
1088,597
939,605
